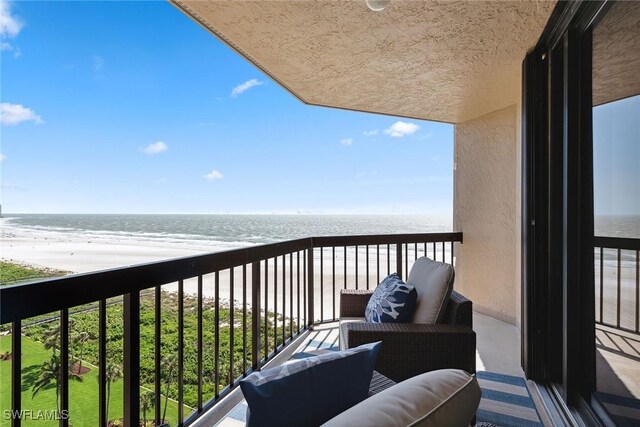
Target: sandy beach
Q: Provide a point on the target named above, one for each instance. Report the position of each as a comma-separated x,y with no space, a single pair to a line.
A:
78,252
81,253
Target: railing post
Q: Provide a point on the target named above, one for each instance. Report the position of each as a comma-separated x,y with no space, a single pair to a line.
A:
181,351
131,319
64,366
200,339
310,286
102,363
157,346
255,315
399,259
16,373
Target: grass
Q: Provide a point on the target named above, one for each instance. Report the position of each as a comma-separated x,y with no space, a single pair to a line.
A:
83,396
11,274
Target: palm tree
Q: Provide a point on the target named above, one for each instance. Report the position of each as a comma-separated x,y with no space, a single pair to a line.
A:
169,365
112,373
147,400
51,337
79,340
50,373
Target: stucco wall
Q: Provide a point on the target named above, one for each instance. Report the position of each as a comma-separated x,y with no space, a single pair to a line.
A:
486,210
518,224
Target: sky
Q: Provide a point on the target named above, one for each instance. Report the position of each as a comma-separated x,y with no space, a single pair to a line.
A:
131,107
616,157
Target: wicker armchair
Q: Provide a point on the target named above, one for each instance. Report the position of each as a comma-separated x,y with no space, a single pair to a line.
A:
409,349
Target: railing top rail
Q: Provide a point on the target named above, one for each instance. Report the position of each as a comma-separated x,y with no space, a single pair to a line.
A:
21,301
617,243
385,239
26,300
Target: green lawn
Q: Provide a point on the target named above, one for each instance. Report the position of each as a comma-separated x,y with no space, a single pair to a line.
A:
14,273
83,396
84,320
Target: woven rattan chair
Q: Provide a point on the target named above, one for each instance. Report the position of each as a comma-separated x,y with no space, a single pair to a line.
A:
409,349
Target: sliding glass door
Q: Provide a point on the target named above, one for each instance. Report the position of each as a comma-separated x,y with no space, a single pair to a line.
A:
581,210
616,182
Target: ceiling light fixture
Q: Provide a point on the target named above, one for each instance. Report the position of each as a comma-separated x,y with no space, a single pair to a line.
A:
377,5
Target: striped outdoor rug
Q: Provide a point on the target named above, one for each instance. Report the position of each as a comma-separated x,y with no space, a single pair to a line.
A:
625,411
505,402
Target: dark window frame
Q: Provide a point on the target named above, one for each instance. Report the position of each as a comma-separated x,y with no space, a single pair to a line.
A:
558,322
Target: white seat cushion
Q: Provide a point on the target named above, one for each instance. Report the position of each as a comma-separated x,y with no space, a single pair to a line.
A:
448,397
433,281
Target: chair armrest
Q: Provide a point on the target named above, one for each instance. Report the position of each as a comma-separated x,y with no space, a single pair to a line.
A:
459,310
353,302
410,349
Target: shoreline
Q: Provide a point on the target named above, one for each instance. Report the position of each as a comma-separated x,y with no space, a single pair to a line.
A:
78,252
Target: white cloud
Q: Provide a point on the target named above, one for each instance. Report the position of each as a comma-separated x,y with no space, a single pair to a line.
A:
2,157
213,175
372,132
363,174
98,63
245,86
426,136
346,141
155,148
400,129
8,47
13,187
10,26
12,114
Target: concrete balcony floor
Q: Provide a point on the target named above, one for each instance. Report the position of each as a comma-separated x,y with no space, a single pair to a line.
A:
498,351
618,362
618,373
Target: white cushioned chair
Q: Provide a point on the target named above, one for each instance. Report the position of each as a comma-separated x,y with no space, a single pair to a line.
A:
447,397
441,335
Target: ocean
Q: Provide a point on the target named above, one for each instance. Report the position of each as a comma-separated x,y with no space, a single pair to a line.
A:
243,230
617,226
227,230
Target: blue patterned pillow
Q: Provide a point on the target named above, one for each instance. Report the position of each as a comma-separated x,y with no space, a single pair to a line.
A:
310,391
393,301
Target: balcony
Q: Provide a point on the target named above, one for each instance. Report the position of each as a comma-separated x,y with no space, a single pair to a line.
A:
187,330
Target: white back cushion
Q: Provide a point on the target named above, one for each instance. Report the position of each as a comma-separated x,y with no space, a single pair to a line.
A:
433,281
448,397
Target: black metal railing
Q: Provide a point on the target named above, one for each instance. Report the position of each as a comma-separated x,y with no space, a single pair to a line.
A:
261,297
617,272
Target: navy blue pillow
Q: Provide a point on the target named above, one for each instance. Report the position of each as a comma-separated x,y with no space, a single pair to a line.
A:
310,391
393,301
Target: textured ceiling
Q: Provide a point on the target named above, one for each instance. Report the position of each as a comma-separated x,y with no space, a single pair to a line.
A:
448,61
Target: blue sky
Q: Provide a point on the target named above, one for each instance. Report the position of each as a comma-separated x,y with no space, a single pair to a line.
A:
616,154
130,107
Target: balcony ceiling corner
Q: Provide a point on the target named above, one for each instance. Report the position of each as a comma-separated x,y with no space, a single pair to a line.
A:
446,61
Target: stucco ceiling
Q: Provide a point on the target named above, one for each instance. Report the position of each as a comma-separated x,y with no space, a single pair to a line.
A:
616,54
447,61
